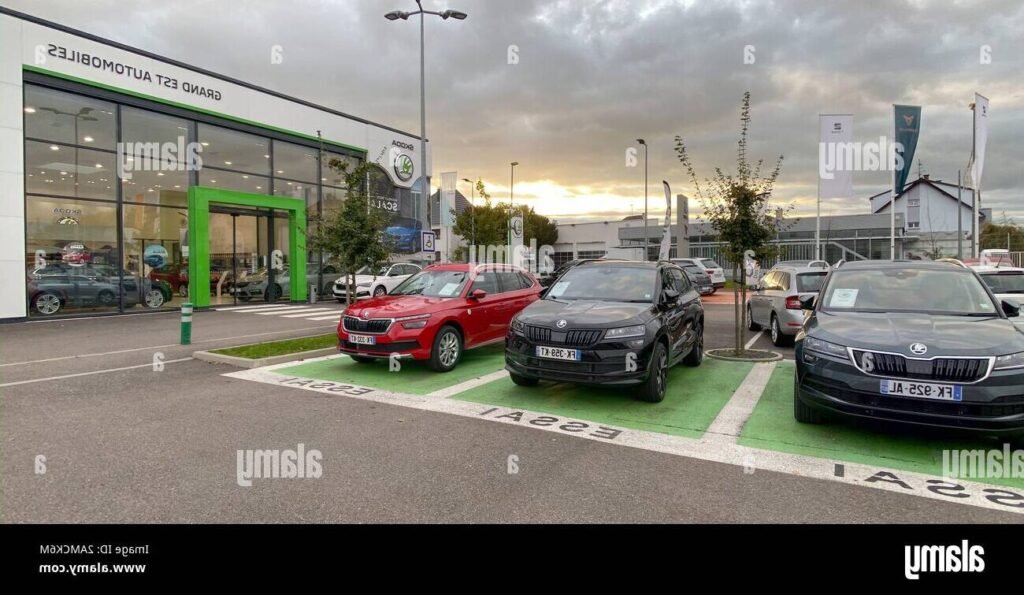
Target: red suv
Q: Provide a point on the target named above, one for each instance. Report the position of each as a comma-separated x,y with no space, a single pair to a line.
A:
437,313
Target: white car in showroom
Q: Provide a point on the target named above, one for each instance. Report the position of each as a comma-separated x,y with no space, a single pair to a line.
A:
367,284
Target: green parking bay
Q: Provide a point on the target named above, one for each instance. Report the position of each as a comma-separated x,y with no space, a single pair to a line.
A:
694,398
414,377
772,427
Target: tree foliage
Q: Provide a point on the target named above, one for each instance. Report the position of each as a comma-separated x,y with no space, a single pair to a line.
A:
738,207
354,234
487,224
996,236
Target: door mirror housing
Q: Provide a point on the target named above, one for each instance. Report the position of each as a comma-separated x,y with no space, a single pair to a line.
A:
477,294
1011,308
807,303
671,296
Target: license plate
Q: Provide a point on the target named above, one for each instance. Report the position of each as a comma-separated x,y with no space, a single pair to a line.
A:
362,339
558,353
921,390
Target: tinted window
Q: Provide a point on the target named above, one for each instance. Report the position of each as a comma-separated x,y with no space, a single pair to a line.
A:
707,262
679,281
525,281
1007,282
605,283
486,281
433,284
509,281
806,282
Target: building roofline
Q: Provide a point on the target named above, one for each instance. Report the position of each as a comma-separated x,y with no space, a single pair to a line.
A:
932,183
196,69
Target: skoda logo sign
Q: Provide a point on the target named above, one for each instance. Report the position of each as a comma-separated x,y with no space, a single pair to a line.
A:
517,228
561,324
403,167
366,314
918,348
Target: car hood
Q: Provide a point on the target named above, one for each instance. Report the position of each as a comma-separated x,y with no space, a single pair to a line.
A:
943,335
584,314
397,306
360,279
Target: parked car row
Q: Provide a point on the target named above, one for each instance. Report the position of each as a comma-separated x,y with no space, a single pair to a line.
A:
59,285
607,322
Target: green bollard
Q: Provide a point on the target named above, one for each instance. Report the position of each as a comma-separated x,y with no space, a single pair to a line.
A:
186,323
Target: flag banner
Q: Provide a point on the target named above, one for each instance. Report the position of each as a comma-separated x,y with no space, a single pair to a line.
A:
448,182
837,156
908,128
666,239
980,138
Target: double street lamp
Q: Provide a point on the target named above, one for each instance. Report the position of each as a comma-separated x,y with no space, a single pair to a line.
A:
394,15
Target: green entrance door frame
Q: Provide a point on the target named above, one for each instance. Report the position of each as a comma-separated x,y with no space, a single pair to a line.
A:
199,200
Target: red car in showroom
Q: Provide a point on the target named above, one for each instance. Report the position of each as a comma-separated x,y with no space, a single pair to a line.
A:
437,314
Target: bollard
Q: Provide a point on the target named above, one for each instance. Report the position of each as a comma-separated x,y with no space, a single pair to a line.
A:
312,294
186,323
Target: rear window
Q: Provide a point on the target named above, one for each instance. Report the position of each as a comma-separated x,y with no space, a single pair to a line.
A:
809,282
1005,282
710,264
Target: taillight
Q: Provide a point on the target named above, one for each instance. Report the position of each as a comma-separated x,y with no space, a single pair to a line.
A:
710,273
793,303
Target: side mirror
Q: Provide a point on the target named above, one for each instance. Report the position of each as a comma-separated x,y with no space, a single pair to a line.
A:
671,296
477,294
1011,308
807,303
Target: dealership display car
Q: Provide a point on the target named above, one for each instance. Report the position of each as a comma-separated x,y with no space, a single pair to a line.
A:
257,284
609,323
775,301
59,285
437,314
915,342
368,285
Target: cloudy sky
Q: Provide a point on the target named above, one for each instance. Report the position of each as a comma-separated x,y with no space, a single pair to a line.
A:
588,77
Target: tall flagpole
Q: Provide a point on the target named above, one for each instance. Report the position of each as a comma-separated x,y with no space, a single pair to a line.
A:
892,201
817,221
977,183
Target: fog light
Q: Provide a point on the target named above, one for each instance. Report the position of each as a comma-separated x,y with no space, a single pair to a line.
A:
636,343
808,358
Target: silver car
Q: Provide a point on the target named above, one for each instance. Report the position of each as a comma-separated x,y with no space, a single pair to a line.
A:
775,303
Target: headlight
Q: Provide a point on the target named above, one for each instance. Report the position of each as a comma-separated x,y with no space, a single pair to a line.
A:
626,331
518,326
826,348
413,322
1009,362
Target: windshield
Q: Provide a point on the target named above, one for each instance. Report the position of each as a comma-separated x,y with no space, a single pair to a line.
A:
710,264
1005,282
433,284
605,283
809,282
952,292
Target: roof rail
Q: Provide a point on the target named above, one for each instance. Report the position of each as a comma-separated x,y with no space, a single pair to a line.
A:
841,262
954,261
818,263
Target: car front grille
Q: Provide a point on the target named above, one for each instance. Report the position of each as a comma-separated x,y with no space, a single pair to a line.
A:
996,408
943,369
373,326
571,337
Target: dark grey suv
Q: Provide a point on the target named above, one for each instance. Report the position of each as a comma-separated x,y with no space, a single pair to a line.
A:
913,342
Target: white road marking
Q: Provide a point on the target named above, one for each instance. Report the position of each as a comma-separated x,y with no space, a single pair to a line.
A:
729,423
751,342
310,312
248,308
283,311
34,380
715,450
462,387
331,317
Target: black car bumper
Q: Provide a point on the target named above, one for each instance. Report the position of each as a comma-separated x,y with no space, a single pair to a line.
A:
606,364
993,406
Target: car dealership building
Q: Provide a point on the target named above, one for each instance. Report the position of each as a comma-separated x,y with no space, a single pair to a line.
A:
127,177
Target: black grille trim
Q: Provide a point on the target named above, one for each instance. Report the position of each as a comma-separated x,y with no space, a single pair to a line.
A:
374,326
940,369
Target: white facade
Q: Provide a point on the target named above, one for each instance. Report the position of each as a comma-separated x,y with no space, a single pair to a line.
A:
31,45
930,207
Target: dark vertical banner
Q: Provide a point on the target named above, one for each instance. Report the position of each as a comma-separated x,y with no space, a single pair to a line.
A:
908,128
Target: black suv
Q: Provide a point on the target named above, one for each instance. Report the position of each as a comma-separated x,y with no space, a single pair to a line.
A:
612,323
914,342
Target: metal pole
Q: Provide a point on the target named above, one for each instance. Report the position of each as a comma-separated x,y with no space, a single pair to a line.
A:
646,251
975,240
425,175
817,224
892,201
959,217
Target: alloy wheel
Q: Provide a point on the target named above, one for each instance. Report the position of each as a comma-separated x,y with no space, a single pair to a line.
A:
449,349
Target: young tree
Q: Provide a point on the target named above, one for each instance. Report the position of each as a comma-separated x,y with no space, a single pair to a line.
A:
487,224
738,208
354,234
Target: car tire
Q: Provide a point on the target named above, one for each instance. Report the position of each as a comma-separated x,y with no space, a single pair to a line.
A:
523,380
653,389
362,359
379,291
779,339
751,325
106,298
447,349
47,303
273,293
153,299
183,290
696,355
804,413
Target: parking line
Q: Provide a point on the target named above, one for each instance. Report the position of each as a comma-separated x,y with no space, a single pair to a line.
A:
737,411
34,380
331,317
444,393
260,308
309,312
282,311
751,342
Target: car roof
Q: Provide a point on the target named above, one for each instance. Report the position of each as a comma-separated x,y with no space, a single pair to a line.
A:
799,270
634,264
988,269
465,267
926,265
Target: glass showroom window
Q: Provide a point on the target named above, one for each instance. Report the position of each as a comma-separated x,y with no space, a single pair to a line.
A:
230,180
295,162
61,170
156,158
71,256
233,150
70,119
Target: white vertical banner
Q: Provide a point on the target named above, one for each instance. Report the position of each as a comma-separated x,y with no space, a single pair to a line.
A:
666,238
980,137
836,155
448,182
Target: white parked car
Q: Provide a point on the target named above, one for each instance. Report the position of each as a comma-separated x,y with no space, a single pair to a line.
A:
1007,282
367,284
714,272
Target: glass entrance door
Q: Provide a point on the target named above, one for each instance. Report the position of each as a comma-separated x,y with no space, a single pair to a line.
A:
249,256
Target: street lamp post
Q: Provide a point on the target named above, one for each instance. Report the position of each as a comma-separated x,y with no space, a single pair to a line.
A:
511,200
445,15
644,144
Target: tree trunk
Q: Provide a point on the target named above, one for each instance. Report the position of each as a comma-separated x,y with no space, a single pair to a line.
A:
743,304
739,313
